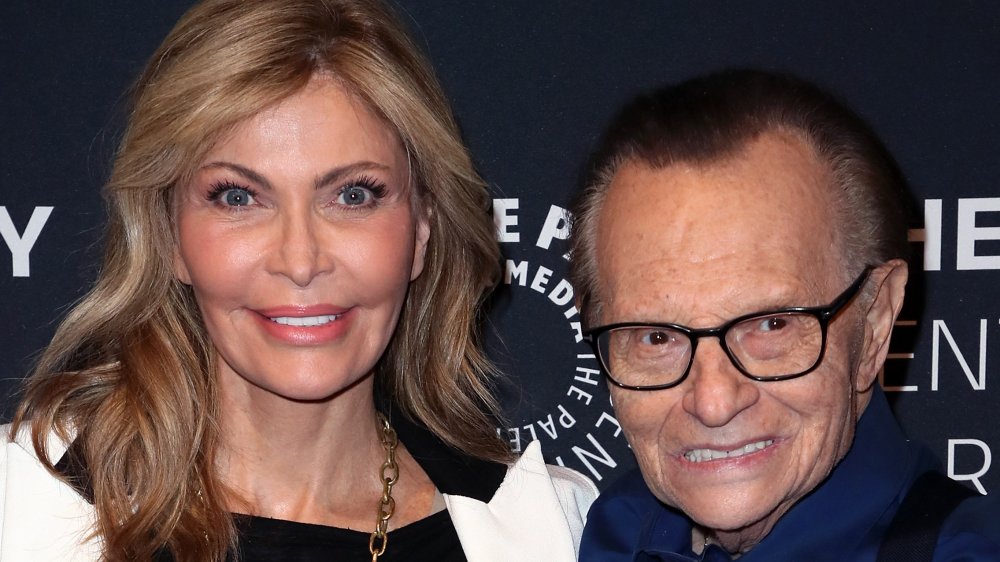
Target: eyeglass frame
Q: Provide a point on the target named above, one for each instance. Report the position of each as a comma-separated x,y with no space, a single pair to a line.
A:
824,314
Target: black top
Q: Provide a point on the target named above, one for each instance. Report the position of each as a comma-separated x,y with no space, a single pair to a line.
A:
261,539
430,539
265,540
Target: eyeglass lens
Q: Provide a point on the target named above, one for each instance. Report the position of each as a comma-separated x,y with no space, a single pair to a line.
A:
773,345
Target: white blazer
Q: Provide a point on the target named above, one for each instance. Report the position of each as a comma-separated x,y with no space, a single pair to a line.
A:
537,513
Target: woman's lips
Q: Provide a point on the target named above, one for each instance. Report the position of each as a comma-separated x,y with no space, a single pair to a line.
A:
305,321
305,325
301,311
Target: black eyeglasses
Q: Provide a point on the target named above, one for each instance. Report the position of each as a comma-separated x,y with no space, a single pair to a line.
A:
764,346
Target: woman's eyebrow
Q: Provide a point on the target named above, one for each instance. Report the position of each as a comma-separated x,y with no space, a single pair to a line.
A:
337,174
334,175
241,170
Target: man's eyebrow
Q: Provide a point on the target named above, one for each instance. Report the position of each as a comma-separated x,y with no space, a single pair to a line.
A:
333,176
340,172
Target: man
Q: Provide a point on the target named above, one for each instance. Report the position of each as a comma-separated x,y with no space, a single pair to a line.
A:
738,253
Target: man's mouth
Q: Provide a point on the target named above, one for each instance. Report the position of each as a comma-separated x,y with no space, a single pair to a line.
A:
702,455
305,321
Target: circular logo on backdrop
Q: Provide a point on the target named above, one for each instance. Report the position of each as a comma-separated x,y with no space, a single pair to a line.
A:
555,392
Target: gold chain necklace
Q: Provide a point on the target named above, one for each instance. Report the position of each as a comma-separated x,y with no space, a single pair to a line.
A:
386,505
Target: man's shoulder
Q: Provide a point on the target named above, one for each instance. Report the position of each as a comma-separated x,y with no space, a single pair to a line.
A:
618,519
629,493
972,532
623,506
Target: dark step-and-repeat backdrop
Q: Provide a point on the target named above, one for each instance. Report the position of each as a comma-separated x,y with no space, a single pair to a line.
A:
532,82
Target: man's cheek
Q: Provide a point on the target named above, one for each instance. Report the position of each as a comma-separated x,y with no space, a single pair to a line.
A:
642,425
631,411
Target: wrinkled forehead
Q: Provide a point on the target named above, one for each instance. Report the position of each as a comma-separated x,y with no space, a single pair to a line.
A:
740,234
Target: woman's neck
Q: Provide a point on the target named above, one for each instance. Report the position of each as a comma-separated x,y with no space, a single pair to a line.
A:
313,462
301,461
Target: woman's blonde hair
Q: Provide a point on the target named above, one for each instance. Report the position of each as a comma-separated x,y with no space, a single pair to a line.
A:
129,374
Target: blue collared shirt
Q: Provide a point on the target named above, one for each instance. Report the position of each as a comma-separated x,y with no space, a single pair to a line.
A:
843,520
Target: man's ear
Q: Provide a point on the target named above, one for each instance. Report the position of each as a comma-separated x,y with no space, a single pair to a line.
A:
890,279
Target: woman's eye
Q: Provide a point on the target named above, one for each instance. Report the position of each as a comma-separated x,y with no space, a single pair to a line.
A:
354,196
229,194
236,197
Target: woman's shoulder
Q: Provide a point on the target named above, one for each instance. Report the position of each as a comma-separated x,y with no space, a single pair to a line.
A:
41,517
21,443
572,486
574,491
538,511
21,470
570,479
20,463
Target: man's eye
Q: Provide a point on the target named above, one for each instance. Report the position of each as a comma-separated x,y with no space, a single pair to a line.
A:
771,324
656,338
354,196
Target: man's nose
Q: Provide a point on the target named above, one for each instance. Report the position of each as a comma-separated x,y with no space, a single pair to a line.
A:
299,252
716,391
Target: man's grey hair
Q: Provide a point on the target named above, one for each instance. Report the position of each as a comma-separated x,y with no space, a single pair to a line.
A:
708,119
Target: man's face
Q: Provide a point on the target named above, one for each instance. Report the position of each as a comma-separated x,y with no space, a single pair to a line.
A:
700,245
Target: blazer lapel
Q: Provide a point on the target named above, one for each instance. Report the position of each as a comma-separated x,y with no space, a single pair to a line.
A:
523,520
43,518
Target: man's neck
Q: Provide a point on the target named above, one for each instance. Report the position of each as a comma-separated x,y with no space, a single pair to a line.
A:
735,543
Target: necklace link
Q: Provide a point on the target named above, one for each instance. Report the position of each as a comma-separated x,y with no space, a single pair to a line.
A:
386,505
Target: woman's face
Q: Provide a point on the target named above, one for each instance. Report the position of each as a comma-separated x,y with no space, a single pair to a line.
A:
299,236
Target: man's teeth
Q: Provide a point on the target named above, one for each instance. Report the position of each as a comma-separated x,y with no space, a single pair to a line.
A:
305,320
702,455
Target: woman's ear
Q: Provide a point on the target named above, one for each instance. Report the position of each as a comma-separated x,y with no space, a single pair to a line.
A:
890,279
180,267
423,234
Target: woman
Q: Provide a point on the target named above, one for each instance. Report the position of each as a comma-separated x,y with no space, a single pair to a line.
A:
297,241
